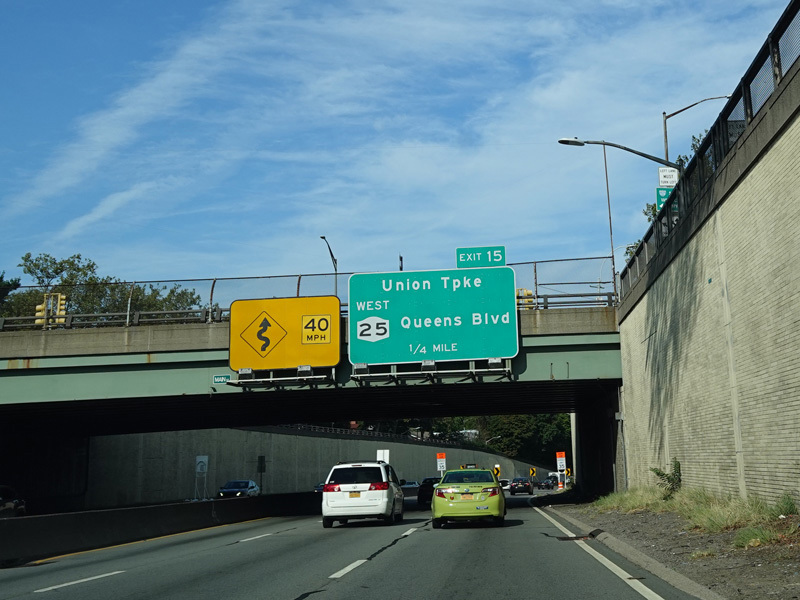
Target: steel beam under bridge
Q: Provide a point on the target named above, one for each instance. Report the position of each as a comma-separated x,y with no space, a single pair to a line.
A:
161,378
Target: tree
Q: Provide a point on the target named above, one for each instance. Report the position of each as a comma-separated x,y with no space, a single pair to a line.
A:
6,287
89,293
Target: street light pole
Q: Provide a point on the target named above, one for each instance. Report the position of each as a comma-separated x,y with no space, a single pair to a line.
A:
661,161
677,112
335,268
610,232
577,142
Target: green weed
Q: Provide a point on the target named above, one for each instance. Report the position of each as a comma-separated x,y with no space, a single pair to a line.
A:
670,482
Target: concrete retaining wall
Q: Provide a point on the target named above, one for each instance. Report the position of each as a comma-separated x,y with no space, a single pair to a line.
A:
153,468
710,353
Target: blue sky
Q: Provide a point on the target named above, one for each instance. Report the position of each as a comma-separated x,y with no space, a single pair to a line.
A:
201,138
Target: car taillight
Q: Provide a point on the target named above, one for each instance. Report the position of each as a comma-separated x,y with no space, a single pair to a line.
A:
440,493
492,491
380,486
331,487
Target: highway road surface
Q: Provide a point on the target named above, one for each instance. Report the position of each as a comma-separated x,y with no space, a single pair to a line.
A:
294,558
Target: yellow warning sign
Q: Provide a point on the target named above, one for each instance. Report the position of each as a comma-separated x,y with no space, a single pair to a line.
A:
284,333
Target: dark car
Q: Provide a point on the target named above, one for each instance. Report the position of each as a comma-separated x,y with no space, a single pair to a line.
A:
521,485
239,488
548,483
425,490
10,504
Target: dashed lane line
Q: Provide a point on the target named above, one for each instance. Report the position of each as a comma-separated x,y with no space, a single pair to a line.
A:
55,587
347,569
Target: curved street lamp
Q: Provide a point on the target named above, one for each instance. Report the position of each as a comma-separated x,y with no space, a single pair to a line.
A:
335,267
497,437
577,142
677,112
661,161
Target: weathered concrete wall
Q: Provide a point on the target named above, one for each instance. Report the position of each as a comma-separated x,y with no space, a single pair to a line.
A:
711,352
20,347
126,470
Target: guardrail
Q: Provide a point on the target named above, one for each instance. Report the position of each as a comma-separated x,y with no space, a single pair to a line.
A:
777,55
542,285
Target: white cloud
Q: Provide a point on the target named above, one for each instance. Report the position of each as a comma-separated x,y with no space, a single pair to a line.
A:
393,127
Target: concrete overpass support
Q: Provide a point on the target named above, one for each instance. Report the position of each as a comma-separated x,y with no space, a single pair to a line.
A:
595,442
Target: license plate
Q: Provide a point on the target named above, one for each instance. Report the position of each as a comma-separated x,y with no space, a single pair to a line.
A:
466,496
355,494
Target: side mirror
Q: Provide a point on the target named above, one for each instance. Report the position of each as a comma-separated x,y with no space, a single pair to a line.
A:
402,482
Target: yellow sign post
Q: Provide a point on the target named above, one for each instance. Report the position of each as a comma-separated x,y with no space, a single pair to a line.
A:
285,333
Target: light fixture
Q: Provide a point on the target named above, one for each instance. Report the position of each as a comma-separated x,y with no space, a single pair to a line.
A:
304,371
428,365
360,369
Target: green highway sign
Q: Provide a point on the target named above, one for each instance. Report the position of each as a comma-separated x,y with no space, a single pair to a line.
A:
222,378
411,316
485,256
662,193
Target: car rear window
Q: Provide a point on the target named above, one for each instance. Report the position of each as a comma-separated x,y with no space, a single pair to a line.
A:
356,475
469,477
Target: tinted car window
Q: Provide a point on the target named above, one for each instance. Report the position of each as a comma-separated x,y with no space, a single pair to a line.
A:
469,477
356,475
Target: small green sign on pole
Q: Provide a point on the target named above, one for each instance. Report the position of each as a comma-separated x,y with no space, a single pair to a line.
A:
662,193
484,256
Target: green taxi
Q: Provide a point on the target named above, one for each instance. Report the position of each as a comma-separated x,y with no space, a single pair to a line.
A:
468,495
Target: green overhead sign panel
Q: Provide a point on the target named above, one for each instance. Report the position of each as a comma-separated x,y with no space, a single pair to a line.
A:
485,256
412,316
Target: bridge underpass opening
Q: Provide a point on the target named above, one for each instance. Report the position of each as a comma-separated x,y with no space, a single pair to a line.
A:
33,434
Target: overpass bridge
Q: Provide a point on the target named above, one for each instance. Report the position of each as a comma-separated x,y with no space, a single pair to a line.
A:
176,376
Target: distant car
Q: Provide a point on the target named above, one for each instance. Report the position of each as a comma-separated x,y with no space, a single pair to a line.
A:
239,488
521,485
545,484
411,484
506,484
319,486
11,505
468,495
362,490
425,490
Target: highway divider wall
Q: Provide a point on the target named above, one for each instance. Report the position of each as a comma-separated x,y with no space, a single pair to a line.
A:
25,539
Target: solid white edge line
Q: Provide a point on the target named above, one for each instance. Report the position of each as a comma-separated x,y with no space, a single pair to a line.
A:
258,537
637,585
55,587
347,569
409,532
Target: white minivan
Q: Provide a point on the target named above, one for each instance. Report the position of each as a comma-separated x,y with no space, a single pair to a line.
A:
362,490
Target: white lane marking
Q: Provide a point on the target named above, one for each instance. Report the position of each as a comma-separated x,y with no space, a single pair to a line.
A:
347,569
637,586
409,532
55,587
258,537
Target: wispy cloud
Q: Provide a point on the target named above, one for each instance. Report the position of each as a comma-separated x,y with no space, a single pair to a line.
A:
394,126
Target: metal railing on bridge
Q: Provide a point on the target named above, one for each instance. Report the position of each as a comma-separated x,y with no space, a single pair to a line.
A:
776,56
541,285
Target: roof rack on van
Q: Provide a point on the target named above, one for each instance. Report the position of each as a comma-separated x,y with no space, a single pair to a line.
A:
355,462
